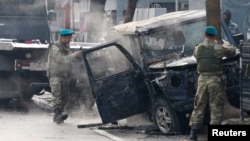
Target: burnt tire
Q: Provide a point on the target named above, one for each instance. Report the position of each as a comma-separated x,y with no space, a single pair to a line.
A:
165,119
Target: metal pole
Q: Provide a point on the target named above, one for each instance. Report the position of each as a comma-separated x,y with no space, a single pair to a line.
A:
176,5
240,75
46,5
72,4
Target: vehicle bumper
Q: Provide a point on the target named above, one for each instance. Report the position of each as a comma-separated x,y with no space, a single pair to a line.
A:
9,94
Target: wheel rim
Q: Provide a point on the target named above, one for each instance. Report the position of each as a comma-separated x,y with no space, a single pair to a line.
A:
163,119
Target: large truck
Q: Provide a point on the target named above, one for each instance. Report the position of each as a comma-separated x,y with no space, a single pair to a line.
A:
24,39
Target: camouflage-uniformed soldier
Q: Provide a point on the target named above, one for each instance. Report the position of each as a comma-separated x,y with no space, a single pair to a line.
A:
59,72
210,89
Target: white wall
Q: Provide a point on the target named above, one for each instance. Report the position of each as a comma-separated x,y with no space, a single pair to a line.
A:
197,4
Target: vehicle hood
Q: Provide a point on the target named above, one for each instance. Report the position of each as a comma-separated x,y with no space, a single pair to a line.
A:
177,63
171,18
184,62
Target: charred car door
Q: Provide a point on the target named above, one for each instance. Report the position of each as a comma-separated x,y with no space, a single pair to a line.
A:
118,83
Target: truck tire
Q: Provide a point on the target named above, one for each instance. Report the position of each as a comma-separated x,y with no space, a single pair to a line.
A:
27,94
165,119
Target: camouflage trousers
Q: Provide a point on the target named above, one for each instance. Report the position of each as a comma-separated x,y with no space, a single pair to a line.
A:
209,92
60,91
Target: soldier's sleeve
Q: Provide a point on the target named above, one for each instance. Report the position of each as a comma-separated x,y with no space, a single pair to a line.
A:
229,50
195,51
57,56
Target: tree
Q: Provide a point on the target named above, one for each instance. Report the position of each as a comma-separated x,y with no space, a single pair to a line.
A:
131,5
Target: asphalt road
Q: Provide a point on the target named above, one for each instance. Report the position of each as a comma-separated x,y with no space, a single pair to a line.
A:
32,121
29,123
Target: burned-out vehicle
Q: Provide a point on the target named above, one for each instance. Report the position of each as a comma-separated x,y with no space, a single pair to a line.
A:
151,69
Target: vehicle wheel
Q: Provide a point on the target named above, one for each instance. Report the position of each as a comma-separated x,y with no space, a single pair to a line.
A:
27,94
165,118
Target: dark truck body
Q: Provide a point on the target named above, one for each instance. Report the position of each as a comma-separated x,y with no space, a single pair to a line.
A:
24,39
151,69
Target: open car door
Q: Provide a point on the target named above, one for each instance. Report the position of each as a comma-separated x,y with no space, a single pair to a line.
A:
118,83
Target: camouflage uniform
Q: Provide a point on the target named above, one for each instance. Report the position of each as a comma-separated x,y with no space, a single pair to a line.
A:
210,89
59,72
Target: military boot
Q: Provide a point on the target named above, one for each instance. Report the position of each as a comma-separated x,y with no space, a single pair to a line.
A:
193,135
59,116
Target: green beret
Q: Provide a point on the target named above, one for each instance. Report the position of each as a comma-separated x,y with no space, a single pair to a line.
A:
66,32
211,30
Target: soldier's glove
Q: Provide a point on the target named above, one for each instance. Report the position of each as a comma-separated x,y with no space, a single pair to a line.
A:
225,43
78,54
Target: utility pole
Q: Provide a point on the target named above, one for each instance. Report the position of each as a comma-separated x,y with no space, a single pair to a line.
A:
72,11
131,6
214,15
